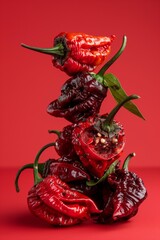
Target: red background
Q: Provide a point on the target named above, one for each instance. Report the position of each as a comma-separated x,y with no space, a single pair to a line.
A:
28,82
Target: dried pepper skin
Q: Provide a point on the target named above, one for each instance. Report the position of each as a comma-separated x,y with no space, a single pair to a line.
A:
81,97
53,201
123,193
83,52
63,144
67,170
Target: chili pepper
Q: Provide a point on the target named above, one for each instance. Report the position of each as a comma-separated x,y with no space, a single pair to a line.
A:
77,52
63,144
99,140
65,169
53,201
123,193
81,96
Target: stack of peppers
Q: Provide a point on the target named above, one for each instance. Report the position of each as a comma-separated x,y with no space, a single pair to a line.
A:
87,181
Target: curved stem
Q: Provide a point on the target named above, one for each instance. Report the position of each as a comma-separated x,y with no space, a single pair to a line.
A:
126,161
37,178
114,58
114,111
58,49
27,166
110,170
30,165
55,131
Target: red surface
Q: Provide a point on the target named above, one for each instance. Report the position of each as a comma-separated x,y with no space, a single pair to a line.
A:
17,223
28,83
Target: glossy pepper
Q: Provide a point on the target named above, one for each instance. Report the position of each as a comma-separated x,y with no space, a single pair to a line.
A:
77,52
67,170
81,97
53,201
99,140
63,144
123,192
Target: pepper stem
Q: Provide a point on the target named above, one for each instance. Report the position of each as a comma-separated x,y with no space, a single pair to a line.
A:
30,165
37,178
108,121
110,170
126,161
27,166
55,131
57,49
114,58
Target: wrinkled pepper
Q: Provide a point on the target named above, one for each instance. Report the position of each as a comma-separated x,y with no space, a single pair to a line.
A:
100,140
53,201
65,169
77,52
63,144
81,97
123,193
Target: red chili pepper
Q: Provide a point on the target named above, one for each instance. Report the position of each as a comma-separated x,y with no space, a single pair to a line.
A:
52,200
77,52
98,141
123,192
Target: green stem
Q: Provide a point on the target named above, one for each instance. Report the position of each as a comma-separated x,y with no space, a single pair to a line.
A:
114,58
58,49
30,165
55,131
108,121
37,178
110,170
27,166
126,161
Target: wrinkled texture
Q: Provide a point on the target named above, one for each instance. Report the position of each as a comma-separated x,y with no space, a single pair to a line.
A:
81,97
66,169
63,144
122,195
53,201
95,154
83,52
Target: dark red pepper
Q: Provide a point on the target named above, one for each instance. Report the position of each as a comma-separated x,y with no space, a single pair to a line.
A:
63,144
98,141
67,170
123,192
81,97
77,52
